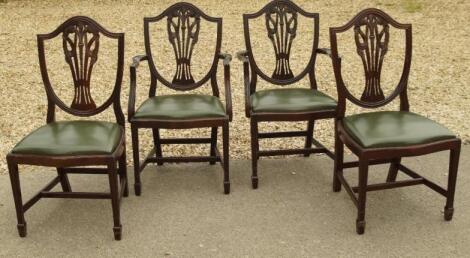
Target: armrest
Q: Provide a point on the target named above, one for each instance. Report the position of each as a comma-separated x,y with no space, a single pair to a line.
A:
133,84
228,91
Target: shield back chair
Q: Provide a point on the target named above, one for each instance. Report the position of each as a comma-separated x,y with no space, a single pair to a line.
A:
182,111
383,137
284,104
70,145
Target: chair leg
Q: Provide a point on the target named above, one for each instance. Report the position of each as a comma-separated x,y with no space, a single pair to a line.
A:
339,159
123,172
16,189
64,180
393,170
158,146
452,180
225,140
113,185
361,204
213,143
135,150
254,153
308,139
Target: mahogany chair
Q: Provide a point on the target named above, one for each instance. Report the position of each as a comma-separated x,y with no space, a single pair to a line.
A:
284,104
70,145
182,111
384,136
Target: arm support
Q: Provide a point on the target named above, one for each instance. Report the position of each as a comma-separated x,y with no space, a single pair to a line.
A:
243,56
132,92
228,91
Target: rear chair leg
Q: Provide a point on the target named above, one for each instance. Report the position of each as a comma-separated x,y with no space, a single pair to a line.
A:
157,144
113,185
16,189
123,172
254,153
135,150
393,170
453,168
338,166
213,143
308,138
64,180
361,204
225,140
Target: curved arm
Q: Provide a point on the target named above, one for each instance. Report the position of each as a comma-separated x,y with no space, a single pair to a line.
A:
228,91
133,74
243,56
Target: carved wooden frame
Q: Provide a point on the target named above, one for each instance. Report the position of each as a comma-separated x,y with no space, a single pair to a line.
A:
392,155
72,164
186,84
251,71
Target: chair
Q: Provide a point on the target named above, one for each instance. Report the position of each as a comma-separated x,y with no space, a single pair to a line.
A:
182,111
70,145
382,137
286,104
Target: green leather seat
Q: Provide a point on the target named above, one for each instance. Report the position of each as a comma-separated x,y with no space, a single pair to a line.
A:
290,100
181,106
394,129
71,138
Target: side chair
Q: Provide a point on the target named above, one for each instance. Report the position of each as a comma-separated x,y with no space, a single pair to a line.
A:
184,110
286,103
73,146
381,137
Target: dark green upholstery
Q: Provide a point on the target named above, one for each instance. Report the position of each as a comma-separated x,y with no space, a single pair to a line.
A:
181,106
290,100
71,138
394,129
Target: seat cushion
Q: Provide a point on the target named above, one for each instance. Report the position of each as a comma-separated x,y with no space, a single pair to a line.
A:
291,100
394,129
181,106
71,138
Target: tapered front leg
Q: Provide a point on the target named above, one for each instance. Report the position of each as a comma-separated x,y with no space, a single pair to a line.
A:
64,180
254,153
452,180
362,193
114,189
309,137
135,151
123,172
157,144
393,170
339,159
16,189
213,143
226,140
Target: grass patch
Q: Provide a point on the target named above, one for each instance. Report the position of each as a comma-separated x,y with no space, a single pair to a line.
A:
412,6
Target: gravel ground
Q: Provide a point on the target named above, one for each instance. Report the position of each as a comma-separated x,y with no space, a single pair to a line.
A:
440,68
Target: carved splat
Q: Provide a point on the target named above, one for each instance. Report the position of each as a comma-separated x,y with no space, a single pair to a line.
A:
372,36
281,24
183,32
81,44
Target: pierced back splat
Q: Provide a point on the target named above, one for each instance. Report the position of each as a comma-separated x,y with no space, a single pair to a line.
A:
81,44
281,24
371,34
183,32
